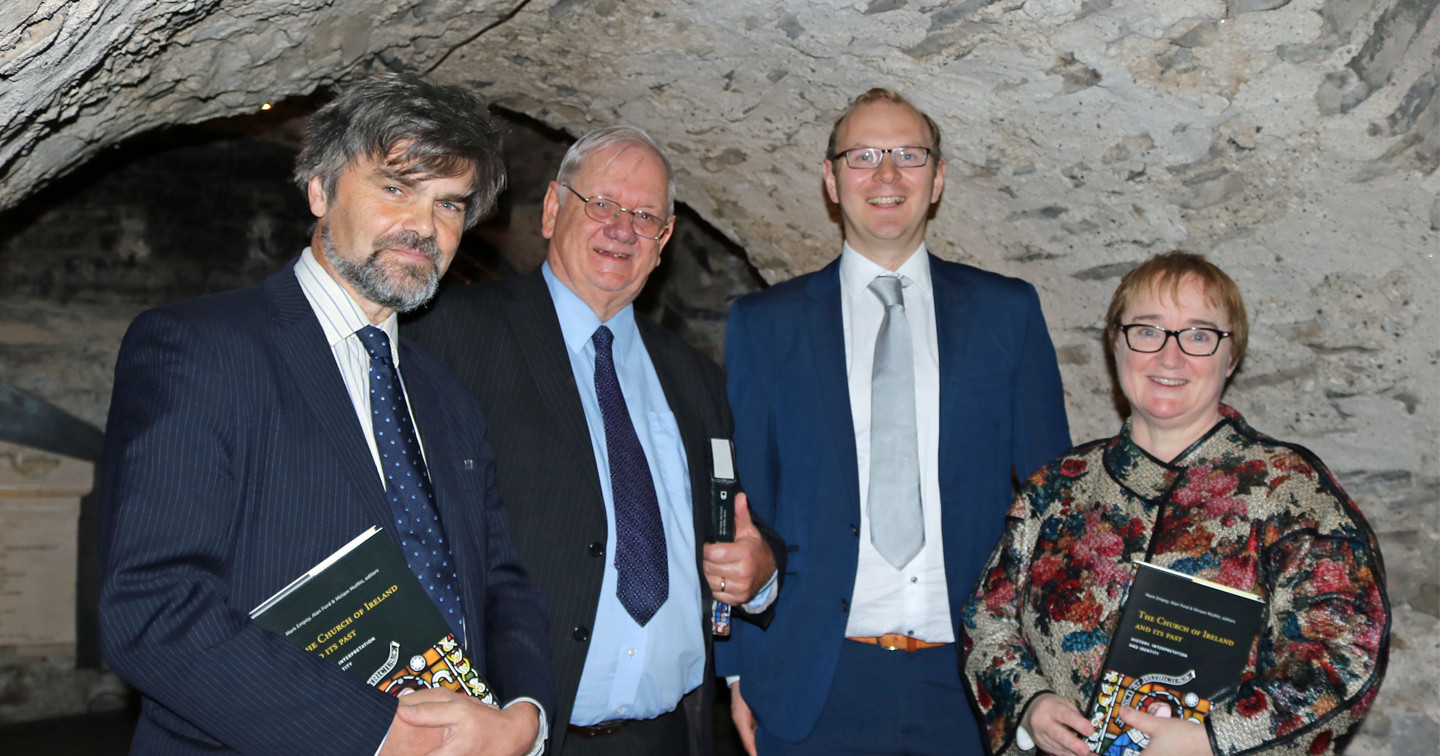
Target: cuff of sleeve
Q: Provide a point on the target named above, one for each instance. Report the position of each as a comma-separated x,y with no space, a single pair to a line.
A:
1023,741
543,730
730,680
765,597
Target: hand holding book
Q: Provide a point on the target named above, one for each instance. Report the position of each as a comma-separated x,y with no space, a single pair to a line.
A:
1168,735
1053,722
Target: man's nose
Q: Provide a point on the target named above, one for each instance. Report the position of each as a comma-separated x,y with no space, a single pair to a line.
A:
420,218
622,229
887,171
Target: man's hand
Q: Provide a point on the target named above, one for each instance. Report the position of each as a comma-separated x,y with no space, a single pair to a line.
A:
442,722
744,720
1169,736
1053,722
737,571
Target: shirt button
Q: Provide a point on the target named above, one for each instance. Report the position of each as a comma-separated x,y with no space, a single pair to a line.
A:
630,652
619,709
581,633
855,530
844,605
914,579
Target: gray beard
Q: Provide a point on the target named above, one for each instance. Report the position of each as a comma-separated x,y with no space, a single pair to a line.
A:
398,287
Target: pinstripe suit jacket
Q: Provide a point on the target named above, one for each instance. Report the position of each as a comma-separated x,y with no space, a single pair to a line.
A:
505,344
234,463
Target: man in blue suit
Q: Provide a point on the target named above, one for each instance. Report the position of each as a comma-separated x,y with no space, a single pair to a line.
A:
884,407
245,444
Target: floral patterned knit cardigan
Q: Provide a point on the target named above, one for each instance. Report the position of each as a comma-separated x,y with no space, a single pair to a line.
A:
1237,508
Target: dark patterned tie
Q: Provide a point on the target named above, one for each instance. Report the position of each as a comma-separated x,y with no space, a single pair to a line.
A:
644,575
412,501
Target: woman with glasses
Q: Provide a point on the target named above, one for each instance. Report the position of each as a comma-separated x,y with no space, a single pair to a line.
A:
1190,486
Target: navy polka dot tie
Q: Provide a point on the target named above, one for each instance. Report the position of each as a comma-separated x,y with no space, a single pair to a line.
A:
412,501
644,575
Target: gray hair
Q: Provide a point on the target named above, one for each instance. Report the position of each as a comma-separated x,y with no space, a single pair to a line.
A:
602,139
445,130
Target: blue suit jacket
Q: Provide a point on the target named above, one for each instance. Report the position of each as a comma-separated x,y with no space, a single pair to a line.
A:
233,464
1002,414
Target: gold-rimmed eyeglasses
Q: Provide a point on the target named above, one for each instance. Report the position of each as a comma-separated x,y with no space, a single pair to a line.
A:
605,210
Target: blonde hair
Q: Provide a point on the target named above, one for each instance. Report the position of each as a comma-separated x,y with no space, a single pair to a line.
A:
881,94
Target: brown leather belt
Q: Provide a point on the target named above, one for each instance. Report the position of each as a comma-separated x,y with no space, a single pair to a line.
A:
602,728
897,642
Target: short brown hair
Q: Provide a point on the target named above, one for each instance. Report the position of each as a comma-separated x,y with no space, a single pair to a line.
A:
881,94
1166,272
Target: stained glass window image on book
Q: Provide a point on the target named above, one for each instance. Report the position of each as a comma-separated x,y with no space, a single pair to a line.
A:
1182,642
363,609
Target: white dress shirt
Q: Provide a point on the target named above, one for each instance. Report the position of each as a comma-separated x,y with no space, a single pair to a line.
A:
912,600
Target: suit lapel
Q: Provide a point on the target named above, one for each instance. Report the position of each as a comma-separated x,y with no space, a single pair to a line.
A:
826,331
434,420
542,345
952,304
679,383
302,348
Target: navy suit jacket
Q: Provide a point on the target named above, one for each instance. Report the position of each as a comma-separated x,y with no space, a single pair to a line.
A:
1002,414
233,463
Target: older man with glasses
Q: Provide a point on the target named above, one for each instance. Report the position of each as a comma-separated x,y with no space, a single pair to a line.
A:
883,407
602,425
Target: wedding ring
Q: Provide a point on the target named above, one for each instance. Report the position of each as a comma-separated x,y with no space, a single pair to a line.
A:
722,583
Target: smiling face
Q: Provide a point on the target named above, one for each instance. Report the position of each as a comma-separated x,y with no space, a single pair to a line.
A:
1174,397
385,236
606,264
884,209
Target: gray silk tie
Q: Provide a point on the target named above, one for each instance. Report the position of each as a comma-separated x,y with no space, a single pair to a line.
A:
897,526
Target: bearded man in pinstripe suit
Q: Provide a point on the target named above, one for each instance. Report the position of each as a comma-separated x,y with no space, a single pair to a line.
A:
240,453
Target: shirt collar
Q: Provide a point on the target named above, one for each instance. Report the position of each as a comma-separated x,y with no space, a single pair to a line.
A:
338,314
578,322
857,270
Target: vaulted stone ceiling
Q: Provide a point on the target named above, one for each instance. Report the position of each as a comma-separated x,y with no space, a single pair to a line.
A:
1294,141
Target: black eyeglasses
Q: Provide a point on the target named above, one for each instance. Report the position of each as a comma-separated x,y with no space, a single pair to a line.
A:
870,157
605,210
1196,342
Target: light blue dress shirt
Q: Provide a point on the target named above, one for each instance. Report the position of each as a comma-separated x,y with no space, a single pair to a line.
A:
634,672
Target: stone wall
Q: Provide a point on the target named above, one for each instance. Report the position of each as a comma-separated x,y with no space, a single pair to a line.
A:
1295,142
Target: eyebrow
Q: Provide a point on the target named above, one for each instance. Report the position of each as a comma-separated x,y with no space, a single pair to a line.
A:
387,173
409,181
646,208
1153,318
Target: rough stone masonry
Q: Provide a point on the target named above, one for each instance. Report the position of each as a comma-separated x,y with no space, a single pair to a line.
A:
1295,142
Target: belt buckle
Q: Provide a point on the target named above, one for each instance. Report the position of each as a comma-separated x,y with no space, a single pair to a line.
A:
609,727
889,642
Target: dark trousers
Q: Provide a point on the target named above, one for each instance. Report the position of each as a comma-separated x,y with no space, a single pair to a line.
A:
665,735
889,703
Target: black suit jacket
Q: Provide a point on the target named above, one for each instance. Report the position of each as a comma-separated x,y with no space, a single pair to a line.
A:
505,344
233,463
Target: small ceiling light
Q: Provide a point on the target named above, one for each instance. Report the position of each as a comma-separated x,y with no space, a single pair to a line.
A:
266,106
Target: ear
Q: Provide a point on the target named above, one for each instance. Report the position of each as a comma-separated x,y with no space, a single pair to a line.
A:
828,168
664,238
551,210
939,182
315,191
